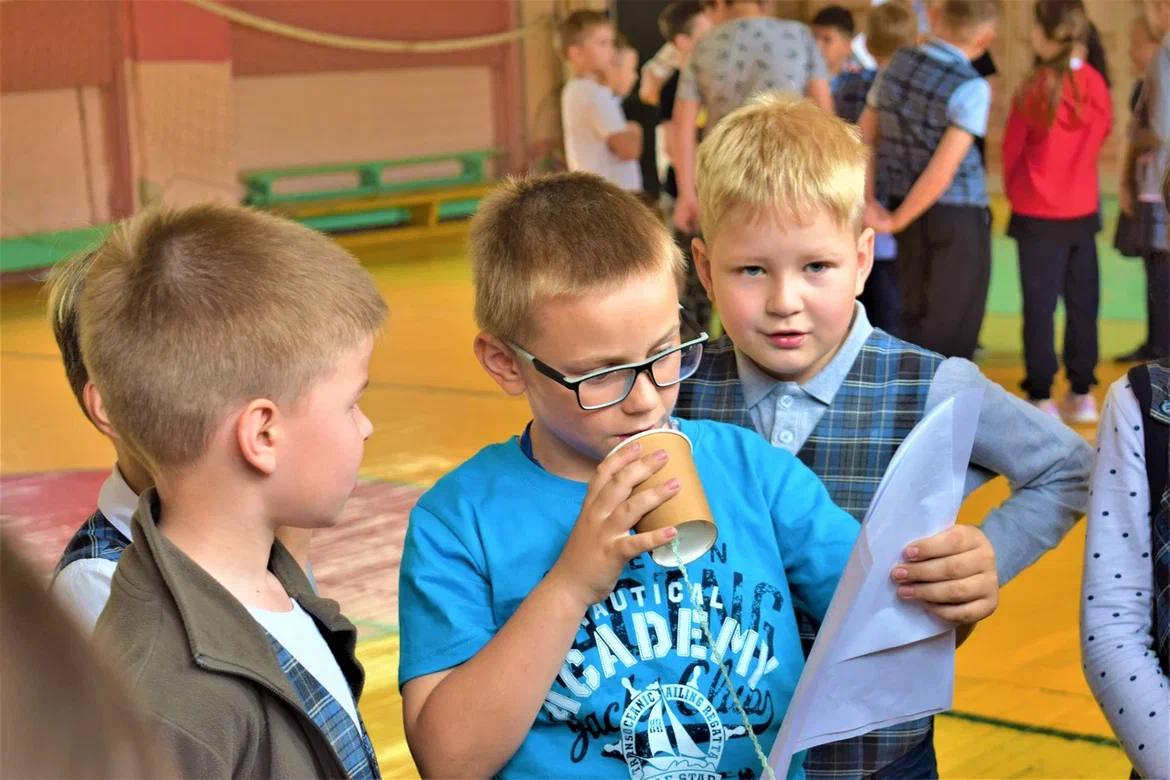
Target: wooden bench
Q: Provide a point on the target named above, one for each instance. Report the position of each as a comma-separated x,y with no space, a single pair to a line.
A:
373,210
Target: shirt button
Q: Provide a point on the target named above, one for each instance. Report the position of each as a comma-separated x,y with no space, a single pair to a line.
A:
786,401
786,437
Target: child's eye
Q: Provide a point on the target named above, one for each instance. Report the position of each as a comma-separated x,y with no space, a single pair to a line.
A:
817,267
751,270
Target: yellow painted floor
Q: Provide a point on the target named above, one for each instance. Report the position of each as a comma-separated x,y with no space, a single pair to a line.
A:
1023,707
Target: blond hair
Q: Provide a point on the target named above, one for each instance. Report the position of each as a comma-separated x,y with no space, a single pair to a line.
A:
575,27
66,281
566,234
889,27
782,152
186,313
964,18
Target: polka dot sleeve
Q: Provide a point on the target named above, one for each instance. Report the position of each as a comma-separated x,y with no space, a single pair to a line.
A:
1116,627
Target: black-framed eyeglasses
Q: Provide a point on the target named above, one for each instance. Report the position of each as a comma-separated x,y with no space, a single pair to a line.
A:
610,386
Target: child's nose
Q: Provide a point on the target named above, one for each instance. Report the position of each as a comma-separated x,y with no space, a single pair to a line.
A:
784,299
364,425
643,395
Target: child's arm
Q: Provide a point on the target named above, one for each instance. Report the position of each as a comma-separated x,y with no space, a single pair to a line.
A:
1045,462
819,92
657,71
686,122
1121,665
468,721
934,181
1015,135
627,144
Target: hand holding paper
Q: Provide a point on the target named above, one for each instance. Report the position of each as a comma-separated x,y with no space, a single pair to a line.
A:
880,659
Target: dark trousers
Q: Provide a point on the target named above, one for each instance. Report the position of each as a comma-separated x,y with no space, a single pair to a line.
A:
1051,269
1158,301
880,297
944,268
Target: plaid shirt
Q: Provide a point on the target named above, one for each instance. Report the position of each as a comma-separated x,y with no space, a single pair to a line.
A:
849,92
349,740
96,538
879,402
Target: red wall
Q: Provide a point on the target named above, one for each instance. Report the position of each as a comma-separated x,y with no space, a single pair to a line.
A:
56,44
257,53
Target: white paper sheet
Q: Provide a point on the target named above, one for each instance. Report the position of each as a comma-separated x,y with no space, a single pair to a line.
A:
878,660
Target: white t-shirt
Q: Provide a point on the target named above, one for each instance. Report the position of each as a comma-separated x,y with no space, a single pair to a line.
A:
83,586
298,633
591,113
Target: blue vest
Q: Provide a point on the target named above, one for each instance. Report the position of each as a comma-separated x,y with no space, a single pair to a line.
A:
880,401
850,90
349,740
912,113
96,538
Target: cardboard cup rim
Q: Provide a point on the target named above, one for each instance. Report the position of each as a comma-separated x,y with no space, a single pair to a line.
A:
651,432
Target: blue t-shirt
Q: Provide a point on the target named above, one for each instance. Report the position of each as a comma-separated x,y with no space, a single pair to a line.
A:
638,692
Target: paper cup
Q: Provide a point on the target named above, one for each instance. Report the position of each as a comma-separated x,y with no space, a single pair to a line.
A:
686,510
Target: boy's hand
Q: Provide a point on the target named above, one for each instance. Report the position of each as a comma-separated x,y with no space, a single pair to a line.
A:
686,214
878,217
952,574
601,544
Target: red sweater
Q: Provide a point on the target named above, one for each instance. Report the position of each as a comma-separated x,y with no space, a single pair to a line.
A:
1050,171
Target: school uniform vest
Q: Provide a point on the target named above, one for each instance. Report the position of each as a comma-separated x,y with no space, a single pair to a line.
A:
96,538
879,402
849,94
349,740
912,113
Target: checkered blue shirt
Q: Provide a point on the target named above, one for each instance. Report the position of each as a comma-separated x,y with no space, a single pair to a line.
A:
96,538
881,398
350,741
850,90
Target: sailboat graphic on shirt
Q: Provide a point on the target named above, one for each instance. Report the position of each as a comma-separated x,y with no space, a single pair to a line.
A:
655,742
669,744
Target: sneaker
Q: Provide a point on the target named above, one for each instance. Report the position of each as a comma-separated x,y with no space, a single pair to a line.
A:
1048,406
1079,409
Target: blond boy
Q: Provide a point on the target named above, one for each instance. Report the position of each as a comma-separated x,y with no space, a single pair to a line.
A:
230,349
598,137
783,256
538,639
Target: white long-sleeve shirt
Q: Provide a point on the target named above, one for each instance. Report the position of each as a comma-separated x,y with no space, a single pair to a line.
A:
1121,665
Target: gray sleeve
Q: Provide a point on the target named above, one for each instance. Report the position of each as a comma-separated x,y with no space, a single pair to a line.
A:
1159,75
1046,464
817,69
688,83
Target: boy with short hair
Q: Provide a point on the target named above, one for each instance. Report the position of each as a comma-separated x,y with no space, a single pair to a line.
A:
82,577
833,28
783,254
888,28
924,113
537,640
230,348
598,137
622,74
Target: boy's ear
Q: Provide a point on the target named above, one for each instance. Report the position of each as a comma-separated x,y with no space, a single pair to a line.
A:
702,265
96,410
500,362
259,431
864,260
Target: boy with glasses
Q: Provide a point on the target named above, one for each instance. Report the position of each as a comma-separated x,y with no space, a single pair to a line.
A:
537,639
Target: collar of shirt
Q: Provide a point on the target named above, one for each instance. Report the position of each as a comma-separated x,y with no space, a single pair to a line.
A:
117,502
823,387
941,50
